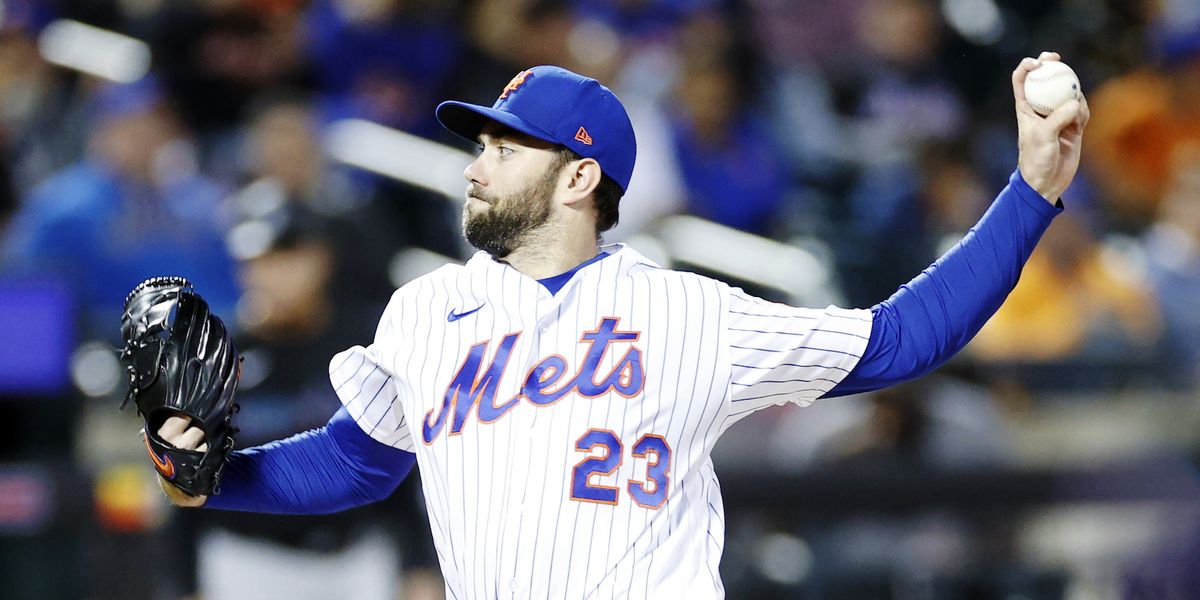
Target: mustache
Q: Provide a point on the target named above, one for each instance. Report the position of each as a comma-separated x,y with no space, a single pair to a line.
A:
478,194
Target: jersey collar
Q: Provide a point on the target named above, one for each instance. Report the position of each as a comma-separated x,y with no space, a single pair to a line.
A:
625,257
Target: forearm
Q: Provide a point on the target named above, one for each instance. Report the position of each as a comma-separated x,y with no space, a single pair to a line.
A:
329,469
932,317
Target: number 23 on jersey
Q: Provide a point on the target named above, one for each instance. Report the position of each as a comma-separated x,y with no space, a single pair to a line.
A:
651,493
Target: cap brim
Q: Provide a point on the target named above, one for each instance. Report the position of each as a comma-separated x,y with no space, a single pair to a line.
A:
467,120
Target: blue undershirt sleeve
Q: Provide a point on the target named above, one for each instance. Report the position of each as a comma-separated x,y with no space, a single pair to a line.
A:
324,470
932,317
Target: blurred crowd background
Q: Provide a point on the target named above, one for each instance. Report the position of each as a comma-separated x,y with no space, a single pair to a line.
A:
1055,458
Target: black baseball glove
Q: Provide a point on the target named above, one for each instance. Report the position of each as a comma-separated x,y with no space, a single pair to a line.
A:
181,360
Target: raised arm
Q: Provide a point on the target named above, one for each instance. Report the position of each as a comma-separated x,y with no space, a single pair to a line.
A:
936,314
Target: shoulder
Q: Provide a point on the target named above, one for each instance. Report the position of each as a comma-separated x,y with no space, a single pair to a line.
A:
670,289
637,266
426,285
414,299
660,276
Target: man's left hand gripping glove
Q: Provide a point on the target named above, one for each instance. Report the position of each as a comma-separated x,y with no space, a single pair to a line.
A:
181,361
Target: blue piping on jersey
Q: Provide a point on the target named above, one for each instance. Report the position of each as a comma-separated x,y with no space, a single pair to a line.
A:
557,282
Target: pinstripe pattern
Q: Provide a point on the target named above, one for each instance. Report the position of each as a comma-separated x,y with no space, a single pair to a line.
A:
499,493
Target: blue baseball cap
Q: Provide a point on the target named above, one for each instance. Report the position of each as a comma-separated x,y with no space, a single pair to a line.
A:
558,106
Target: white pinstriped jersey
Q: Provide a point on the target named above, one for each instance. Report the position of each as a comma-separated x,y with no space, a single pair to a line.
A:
563,439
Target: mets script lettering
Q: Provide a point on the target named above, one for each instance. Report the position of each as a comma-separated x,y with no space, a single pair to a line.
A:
545,383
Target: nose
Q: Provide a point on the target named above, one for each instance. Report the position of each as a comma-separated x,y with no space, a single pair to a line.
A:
474,172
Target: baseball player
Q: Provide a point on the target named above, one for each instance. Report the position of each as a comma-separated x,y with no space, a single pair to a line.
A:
561,397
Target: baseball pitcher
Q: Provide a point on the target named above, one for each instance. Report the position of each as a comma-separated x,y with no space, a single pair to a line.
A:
562,397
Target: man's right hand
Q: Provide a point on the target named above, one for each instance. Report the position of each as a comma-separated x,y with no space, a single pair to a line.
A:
1049,146
176,431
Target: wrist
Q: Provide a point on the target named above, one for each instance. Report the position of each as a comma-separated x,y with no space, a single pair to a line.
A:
1031,198
1043,187
179,497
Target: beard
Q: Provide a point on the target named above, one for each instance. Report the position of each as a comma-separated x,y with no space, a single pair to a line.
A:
509,218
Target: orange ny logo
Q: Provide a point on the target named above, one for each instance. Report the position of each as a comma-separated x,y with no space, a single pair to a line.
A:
516,82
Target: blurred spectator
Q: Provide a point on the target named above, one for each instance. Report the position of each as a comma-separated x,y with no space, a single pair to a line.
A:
641,18
135,208
809,128
301,236
953,193
933,422
366,219
936,422
1141,120
733,168
903,97
216,56
1173,248
937,199
291,329
387,61
900,105
1170,571
38,133
812,32
1076,299
519,34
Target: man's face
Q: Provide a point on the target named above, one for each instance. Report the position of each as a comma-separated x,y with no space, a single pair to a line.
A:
511,190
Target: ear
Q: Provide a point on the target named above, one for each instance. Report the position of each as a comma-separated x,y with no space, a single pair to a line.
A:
584,176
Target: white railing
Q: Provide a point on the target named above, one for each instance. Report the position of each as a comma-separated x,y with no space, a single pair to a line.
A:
790,270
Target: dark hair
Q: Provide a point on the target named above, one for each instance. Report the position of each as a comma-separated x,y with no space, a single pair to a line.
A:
607,194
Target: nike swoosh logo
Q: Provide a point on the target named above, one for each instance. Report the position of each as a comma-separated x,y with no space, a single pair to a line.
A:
164,464
453,316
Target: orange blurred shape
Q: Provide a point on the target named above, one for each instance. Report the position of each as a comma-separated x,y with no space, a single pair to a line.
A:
127,499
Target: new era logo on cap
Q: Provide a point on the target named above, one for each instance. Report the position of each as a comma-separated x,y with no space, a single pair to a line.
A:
553,104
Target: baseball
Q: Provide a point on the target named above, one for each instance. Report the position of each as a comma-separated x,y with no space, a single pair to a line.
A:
1050,85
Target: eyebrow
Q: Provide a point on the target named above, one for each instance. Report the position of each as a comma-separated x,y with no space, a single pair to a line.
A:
502,131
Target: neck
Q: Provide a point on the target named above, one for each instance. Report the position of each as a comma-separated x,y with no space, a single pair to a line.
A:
550,251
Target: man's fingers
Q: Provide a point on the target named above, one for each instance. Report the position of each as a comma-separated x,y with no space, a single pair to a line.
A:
1018,82
1064,115
1049,56
1085,112
173,427
177,432
190,439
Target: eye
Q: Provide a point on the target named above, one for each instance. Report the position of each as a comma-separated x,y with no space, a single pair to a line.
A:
505,151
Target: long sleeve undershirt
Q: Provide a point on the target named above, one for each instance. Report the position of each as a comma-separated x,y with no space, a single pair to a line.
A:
332,468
